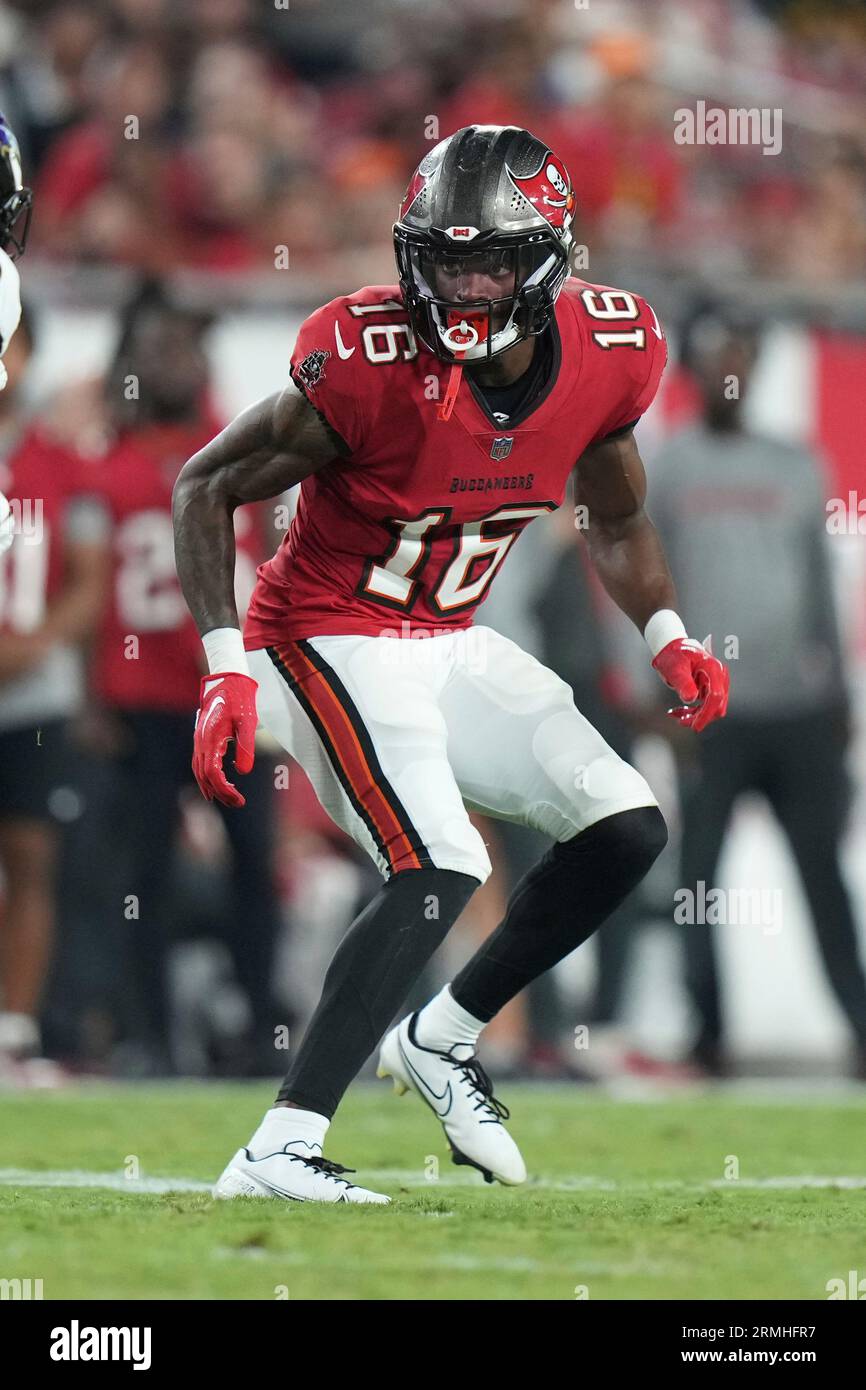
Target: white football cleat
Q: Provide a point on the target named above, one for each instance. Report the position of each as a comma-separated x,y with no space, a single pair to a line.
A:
297,1173
460,1093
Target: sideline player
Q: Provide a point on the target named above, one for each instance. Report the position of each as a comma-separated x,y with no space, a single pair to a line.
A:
429,423
148,702
52,586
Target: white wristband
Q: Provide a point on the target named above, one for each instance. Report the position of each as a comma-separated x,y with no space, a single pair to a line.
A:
224,649
663,627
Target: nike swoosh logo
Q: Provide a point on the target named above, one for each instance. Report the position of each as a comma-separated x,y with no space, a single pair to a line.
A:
342,350
447,1093
282,1191
655,325
217,705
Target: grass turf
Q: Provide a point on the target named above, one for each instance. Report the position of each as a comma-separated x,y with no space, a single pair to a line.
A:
647,1223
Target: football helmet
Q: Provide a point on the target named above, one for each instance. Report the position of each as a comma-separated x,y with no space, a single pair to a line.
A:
16,201
483,241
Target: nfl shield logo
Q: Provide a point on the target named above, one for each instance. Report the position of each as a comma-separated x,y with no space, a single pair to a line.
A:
501,447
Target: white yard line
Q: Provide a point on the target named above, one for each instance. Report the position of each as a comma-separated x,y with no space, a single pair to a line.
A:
406,1177
594,1184
455,1261
76,1177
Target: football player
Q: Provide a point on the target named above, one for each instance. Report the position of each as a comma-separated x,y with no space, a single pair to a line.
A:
15,209
429,422
146,704
52,583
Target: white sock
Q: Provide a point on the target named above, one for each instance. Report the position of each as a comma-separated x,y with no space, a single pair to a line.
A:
303,1130
19,1033
443,1023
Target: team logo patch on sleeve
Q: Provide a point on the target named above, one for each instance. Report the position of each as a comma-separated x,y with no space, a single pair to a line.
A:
501,447
312,369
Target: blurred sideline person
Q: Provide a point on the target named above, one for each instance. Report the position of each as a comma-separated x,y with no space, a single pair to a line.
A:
743,520
15,208
52,582
146,669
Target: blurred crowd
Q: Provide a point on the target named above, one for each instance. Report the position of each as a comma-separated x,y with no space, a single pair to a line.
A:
210,133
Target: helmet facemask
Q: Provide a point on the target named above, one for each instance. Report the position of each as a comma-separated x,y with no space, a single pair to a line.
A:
15,200
13,232
519,278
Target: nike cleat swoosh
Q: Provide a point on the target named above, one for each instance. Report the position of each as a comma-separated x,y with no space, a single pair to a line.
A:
465,1105
446,1095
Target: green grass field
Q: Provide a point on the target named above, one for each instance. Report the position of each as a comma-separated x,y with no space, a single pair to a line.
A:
628,1200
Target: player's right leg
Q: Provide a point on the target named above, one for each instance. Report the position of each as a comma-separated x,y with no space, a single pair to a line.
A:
361,715
522,752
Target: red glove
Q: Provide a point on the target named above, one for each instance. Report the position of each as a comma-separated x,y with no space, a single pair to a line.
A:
227,710
698,677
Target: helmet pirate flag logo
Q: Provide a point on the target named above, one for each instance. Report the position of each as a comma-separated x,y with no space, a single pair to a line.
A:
484,230
549,191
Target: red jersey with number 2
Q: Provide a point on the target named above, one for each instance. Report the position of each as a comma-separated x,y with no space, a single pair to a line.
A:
407,535
160,669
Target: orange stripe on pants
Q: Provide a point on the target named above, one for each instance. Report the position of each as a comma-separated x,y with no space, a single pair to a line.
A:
345,747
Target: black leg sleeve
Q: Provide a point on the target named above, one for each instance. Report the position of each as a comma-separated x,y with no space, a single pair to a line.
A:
558,904
375,966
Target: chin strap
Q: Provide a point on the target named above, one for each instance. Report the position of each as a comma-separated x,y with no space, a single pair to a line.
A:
447,405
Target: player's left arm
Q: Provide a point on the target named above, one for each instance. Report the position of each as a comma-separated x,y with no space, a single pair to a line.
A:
628,556
610,482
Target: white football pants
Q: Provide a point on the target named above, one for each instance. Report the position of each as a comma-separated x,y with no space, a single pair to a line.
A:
399,736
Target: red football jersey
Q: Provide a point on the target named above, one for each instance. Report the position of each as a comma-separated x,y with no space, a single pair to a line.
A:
148,654
408,533
40,478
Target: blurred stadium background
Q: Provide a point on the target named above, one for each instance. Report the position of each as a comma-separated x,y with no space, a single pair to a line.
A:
242,163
